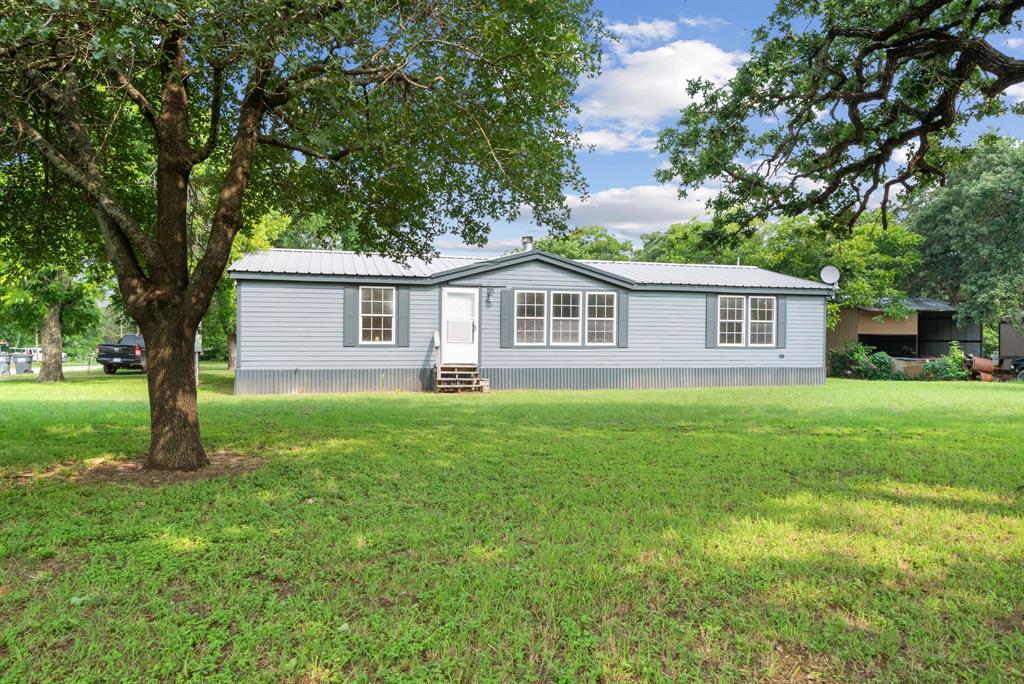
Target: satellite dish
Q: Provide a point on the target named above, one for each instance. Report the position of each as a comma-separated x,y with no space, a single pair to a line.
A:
830,275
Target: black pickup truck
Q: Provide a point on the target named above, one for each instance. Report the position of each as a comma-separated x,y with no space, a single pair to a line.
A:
130,352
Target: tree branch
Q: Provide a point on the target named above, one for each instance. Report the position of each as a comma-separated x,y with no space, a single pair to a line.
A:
93,186
201,154
227,215
136,96
307,151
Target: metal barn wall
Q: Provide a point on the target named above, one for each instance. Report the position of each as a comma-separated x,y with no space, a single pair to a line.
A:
937,330
845,330
1011,342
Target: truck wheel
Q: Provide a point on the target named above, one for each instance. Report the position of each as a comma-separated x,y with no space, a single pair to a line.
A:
109,370
1020,376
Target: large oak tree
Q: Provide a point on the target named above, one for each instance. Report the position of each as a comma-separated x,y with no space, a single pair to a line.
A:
973,229
410,119
842,106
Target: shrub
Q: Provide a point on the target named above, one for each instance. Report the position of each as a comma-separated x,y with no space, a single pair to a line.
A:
948,367
856,360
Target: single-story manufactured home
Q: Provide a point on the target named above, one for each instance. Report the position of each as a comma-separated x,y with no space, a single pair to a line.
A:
331,321
926,332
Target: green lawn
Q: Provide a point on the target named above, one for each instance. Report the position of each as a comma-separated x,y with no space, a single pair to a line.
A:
847,532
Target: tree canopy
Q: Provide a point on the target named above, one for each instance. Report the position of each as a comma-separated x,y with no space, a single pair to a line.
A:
27,296
875,262
588,242
843,105
402,121
973,229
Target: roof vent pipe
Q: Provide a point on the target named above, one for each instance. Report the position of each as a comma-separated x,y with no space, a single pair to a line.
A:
527,243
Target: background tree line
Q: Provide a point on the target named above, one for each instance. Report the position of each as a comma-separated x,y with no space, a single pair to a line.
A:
963,242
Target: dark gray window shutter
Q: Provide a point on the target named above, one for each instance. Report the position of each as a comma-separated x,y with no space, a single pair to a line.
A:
780,322
350,323
622,322
508,305
711,322
402,316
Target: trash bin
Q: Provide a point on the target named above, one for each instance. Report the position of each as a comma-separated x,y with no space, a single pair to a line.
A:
5,363
22,363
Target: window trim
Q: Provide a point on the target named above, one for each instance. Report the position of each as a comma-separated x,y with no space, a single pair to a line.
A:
614,319
551,317
393,316
775,320
516,318
742,321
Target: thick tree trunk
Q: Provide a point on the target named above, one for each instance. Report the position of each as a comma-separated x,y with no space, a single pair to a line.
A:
232,349
52,368
174,419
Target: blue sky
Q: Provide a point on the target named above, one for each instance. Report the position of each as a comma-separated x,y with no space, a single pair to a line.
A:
640,90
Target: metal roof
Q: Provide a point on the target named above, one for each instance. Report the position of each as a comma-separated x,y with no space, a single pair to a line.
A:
307,262
916,304
713,275
337,263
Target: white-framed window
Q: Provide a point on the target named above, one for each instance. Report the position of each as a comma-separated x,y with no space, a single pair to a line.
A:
566,318
731,310
762,321
601,318
531,317
376,315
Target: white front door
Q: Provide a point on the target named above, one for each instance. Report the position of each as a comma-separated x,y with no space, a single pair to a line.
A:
459,338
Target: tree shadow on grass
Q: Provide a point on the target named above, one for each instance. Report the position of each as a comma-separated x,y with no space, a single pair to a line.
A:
535,553
708,534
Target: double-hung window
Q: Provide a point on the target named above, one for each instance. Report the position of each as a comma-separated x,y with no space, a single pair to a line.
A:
377,315
731,314
531,317
566,318
600,318
762,321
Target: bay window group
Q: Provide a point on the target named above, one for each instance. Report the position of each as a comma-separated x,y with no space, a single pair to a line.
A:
576,318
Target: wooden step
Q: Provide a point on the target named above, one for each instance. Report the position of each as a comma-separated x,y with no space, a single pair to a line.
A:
456,378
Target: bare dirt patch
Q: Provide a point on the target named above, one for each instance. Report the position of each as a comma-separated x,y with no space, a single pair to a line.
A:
131,472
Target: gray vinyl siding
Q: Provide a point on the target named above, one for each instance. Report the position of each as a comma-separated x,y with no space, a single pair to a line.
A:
291,339
300,325
666,329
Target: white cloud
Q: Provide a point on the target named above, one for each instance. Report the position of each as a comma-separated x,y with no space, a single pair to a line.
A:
1015,43
901,155
607,140
638,209
645,31
451,245
1015,92
645,87
701,21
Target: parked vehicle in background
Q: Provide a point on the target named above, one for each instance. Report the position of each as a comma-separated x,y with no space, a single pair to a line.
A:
130,352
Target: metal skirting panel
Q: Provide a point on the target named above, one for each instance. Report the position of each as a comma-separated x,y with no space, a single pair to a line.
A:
303,380
648,378
312,380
